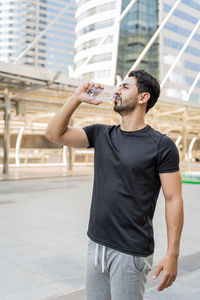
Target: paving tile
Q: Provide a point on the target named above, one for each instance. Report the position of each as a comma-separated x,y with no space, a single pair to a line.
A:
43,225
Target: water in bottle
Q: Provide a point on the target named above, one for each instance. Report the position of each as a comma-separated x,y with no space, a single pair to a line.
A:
92,95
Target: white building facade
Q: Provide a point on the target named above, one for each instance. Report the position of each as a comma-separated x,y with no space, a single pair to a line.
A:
89,32
22,20
124,42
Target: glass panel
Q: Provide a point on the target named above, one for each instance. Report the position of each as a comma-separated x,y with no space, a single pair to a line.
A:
136,29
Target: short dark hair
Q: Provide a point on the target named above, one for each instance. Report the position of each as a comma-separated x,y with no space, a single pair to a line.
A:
147,83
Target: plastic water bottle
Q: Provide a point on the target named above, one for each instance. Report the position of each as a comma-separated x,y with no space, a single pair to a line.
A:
94,90
92,95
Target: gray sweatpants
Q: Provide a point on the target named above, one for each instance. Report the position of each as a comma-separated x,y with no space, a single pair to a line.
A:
115,275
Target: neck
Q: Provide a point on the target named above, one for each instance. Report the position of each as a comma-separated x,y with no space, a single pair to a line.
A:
132,122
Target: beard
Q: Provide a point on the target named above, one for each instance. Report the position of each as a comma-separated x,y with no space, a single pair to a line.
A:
125,107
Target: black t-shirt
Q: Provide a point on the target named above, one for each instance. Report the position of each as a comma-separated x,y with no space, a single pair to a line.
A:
127,184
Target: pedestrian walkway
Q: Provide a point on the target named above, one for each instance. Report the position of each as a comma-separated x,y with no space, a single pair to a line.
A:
186,286
43,245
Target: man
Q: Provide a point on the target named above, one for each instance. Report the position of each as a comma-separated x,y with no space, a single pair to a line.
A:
132,162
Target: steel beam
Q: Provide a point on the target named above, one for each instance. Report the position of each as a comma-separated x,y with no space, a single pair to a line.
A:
192,87
180,54
21,78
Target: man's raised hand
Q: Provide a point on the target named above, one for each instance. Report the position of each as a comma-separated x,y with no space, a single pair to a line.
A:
81,94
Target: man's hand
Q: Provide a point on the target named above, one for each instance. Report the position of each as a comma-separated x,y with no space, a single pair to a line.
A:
168,265
81,94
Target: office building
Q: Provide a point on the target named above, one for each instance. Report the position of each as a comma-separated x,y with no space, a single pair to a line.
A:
124,43
22,20
127,39
172,39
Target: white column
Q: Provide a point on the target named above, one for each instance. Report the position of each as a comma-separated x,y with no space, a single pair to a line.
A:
178,140
18,144
64,155
190,148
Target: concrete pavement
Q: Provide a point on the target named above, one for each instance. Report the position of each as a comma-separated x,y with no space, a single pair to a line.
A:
43,243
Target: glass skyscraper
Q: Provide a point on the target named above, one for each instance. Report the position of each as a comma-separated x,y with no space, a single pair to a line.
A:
136,29
124,42
127,40
22,20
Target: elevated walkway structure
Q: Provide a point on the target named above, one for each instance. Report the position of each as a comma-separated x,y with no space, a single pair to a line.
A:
30,96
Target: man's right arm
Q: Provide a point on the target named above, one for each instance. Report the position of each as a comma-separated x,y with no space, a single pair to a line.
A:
58,130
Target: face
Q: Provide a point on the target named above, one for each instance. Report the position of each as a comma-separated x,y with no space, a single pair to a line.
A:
127,96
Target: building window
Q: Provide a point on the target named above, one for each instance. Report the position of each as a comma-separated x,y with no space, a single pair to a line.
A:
95,10
190,81
96,75
192,66
191,4
180,30
95,26
81,2
96,59
178,46
194,97
180,14
93,43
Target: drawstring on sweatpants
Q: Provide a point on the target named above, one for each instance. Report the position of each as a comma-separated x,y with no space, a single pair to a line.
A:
103,257
96,255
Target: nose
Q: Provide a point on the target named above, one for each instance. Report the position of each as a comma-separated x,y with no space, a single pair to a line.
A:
118,91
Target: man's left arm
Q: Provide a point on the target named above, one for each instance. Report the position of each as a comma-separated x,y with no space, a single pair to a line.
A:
172,190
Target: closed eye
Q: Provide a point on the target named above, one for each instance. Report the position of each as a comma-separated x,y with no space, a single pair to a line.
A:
125,86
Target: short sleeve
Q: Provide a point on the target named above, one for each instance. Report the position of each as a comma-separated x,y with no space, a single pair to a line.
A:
92,131
168,156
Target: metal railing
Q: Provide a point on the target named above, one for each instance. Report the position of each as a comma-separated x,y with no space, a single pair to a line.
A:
48,157
190,172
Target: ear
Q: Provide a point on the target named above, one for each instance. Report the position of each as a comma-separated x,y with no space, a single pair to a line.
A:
144,97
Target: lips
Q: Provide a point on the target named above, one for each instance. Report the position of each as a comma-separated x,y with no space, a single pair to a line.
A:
117,98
